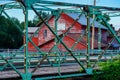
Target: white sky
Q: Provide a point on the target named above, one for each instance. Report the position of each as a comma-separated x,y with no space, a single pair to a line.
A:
110,3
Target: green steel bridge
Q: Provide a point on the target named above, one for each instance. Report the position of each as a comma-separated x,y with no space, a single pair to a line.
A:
22,63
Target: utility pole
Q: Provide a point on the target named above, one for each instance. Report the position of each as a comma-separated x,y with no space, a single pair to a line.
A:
93,28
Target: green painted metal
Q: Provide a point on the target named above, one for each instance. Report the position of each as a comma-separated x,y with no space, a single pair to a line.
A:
39,63
36,47
49,53
111,30
35,5
108,52
44,8
62,76
59,39
57,15
40,26
36,32
3,67
105,50
72,26
64,58
88,40
99,38
1,10
30,2
26,39
78,5
14,68
89,70
81,36
26,75
12,21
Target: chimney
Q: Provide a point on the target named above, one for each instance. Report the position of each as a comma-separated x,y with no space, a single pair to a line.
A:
112,26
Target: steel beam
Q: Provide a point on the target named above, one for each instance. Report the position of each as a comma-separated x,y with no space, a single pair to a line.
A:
99,37
77,5
59,39
88,40
111,30
14,68
105,50
1,9
30,2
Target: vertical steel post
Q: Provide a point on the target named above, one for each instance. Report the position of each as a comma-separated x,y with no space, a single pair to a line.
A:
56,40
89,69
56,28
88,40
26,75
26,40
99,38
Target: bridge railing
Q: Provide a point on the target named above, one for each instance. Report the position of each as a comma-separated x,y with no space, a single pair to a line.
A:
83,52
17,56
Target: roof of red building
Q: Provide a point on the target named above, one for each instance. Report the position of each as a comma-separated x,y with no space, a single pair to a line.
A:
83,20
32,29
84,40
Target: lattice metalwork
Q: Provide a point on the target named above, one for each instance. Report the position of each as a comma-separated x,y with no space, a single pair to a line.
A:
41,64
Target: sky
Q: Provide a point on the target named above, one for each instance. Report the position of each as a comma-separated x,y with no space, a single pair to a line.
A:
109,3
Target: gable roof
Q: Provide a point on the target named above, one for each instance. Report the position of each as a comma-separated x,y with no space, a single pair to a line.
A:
32,29
83,20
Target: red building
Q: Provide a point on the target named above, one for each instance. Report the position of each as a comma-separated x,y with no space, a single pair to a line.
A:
46,40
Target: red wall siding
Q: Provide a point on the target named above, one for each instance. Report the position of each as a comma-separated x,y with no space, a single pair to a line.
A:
35,40
30,46
46,47
68,42
69,21
66,21
63,19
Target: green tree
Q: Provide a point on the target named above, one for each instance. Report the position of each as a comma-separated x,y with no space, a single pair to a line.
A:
110,70
10,35
36,20
43,14
30,24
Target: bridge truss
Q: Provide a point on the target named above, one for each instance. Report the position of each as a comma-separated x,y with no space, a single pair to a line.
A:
55,8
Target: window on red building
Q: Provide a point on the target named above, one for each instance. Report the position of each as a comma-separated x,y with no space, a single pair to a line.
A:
45,34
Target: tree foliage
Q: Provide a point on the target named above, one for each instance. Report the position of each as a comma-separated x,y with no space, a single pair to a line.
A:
110,70
36,20
10,35
30,23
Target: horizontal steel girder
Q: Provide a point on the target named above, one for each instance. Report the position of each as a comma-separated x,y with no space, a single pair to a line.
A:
66,4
